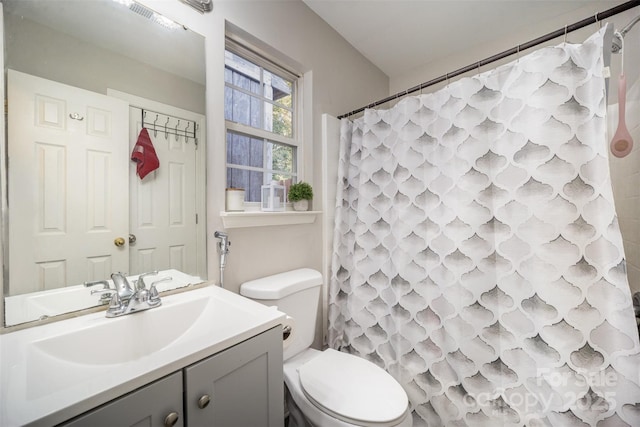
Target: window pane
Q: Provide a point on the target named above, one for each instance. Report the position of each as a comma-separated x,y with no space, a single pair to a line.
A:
228,74
276,88
228,103
251,181
278,120
241,107
246,83
244,150
280,157
243,73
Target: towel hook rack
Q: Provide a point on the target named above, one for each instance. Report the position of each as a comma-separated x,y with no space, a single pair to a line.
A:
186,133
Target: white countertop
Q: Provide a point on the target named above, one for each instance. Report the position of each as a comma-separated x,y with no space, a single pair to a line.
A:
38,389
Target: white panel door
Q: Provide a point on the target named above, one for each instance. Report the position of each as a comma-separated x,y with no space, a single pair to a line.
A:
68,179
163,204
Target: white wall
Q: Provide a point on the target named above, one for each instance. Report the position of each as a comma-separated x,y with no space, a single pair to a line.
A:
625,172
476,53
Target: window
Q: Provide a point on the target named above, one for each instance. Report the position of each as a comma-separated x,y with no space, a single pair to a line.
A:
261,122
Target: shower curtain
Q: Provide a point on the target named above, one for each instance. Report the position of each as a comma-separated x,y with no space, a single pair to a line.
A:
477,255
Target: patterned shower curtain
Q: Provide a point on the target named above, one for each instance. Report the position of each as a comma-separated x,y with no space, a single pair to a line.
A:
477,254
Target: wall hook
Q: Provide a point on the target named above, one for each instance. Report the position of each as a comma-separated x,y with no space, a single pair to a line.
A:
186,132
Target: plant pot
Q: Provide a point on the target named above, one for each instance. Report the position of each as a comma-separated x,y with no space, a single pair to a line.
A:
301,205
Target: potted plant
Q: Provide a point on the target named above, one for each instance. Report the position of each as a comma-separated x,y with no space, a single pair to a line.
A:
299,194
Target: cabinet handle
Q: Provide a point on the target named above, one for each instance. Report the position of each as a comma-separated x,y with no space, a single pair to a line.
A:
203,402
171,419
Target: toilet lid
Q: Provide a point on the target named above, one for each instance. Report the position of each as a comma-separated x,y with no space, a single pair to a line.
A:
352,388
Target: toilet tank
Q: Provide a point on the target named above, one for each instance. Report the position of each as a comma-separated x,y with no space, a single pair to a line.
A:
295,293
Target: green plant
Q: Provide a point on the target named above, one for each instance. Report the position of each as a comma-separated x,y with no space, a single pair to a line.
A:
300,191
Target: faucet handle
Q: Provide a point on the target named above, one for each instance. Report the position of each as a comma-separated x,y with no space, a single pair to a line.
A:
140,284
116,307
153,291
104,283
154,296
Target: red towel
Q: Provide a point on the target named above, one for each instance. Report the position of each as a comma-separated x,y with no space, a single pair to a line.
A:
145,155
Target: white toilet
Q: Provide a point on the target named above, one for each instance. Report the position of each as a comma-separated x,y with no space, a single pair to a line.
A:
326,388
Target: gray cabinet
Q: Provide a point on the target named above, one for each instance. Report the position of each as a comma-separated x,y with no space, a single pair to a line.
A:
240,386
156,404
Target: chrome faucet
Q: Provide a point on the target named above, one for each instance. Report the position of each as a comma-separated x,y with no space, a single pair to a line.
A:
122,285
129,300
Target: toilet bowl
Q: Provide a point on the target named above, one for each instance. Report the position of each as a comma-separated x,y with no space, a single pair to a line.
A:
326,388
368,396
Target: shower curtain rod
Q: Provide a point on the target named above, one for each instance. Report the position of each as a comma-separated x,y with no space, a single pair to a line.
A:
550,36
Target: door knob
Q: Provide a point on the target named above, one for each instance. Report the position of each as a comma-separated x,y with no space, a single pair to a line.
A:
132,239
119,241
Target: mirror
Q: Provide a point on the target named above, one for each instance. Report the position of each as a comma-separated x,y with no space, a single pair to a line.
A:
83,78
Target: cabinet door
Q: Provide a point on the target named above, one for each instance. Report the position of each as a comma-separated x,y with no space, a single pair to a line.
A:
243,385
154,405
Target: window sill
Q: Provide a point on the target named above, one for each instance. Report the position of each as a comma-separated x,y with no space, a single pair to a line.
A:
265,219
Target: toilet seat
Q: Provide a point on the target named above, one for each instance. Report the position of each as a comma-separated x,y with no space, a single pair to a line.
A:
353,389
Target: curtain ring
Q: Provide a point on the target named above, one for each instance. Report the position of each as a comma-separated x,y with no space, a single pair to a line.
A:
597,21
565,34
447,77
518,55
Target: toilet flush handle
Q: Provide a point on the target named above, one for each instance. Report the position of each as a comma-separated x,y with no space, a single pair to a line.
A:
286,331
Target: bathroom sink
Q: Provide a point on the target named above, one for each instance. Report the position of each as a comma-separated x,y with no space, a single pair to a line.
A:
127,338
58,370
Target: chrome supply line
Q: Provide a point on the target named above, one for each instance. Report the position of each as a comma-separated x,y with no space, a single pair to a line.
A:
514,50
223,252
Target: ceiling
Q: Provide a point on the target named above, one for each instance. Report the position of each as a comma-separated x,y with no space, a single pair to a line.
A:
400,35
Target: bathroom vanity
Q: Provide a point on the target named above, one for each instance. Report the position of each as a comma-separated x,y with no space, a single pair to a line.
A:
230,388
205,357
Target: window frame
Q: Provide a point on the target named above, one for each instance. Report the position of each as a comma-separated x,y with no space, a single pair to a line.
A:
267,63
